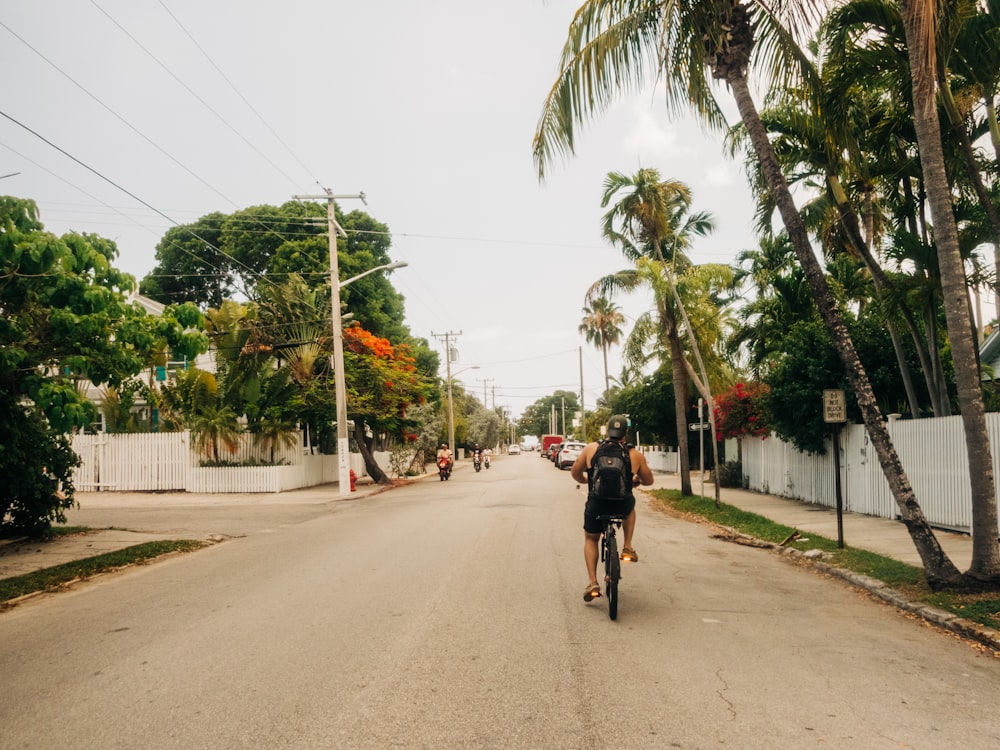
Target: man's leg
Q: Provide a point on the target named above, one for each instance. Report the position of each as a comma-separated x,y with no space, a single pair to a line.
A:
590,553
628,526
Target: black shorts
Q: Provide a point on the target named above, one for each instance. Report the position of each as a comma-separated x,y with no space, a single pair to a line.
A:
596,507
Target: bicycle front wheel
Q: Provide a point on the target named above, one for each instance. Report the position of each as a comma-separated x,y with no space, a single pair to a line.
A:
612,572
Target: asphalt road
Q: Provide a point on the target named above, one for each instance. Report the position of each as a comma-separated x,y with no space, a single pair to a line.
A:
450,615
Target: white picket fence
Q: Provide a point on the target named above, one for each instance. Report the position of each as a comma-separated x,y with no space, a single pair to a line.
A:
165,461
932,452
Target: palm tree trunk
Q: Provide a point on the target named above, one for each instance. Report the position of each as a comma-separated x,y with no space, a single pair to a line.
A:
991,118
938,567
703,385
607,382
919,26
680,404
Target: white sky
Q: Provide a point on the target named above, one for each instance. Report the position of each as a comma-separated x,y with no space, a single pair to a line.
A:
427,107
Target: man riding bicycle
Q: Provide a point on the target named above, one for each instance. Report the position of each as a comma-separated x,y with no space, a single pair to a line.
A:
638,472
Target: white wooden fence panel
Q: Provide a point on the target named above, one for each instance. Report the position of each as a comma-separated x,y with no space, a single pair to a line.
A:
133,462
220,479
932,452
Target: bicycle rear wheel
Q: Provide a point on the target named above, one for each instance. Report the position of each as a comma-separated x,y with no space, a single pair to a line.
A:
612,572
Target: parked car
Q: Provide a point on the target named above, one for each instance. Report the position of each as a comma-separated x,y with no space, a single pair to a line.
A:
550,452
569,453
514,450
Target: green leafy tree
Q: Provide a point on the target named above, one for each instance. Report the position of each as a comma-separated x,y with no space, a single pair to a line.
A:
189,267
649,402
64,319
536,418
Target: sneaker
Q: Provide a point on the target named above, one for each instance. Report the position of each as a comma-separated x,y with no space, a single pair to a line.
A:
629,555
593,591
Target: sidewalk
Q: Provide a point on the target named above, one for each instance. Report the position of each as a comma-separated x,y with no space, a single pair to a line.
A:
881,535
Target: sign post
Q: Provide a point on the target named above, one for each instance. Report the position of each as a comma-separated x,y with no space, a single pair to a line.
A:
835,413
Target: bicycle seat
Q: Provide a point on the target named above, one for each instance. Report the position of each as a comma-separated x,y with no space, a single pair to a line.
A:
612,517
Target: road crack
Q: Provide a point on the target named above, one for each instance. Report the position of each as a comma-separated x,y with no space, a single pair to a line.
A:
721,693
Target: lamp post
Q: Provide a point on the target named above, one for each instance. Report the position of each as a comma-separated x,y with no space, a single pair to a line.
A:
451,407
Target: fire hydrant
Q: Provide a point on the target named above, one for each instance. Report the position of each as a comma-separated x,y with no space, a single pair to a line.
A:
354,480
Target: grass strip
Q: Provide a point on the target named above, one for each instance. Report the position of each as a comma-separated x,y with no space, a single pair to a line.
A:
908,579
50,578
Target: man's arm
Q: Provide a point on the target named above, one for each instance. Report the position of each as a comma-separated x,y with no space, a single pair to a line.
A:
640,467
579,469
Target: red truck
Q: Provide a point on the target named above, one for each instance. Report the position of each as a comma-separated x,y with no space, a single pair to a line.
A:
549,440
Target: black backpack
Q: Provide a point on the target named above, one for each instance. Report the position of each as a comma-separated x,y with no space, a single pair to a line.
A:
610,472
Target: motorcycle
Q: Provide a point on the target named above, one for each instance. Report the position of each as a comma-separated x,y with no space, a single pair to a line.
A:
486,461
477,462
444,469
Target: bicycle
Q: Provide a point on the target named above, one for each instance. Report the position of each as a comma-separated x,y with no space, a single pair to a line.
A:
612,563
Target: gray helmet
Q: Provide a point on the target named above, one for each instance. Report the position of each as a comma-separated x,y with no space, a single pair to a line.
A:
618,426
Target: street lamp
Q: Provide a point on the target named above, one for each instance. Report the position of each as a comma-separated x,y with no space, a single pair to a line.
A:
451,408
386,267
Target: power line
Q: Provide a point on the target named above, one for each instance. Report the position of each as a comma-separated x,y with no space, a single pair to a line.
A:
237,91
193,93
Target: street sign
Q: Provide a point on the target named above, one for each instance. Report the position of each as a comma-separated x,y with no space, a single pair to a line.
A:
834,405
695,426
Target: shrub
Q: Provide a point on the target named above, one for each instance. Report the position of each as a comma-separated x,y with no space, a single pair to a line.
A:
742,410
730,474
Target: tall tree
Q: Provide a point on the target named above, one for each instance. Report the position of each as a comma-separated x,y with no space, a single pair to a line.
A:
919,20
652,219
602,327
613,44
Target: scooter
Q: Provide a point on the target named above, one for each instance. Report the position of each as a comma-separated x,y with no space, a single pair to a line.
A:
444,469
486,460
477,463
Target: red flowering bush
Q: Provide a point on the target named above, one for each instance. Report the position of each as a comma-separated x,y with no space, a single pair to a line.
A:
382,379
742,410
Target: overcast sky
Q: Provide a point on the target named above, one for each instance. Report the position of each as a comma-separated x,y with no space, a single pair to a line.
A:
429,108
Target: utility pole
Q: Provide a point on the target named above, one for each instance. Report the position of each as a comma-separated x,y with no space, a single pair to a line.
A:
334,230
583,413
451,409
484,382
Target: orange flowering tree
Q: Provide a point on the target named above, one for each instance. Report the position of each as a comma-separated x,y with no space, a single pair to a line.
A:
742,410
383,380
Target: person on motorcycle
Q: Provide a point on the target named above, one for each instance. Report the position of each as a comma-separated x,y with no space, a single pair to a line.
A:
445,452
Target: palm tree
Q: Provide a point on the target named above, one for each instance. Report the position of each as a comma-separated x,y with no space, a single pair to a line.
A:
602,326
214,426
649,212
612,45
919,21
653,219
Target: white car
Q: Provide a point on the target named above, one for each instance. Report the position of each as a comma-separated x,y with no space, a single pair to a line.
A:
568,454
514,450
